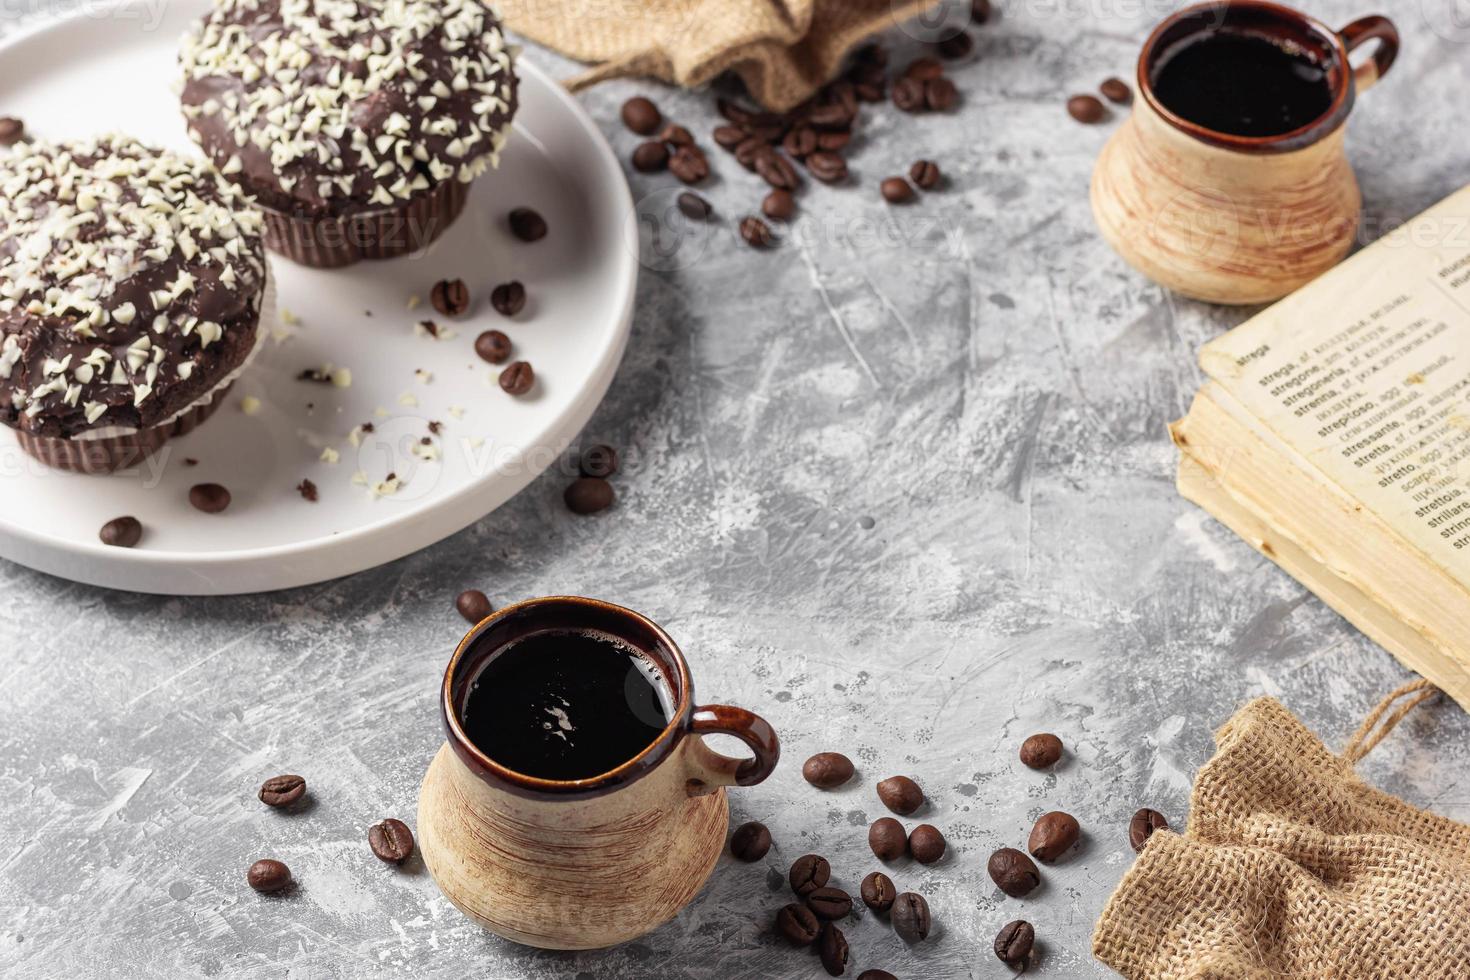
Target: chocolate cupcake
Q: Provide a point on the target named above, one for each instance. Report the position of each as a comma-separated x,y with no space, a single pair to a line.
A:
357,125
132,283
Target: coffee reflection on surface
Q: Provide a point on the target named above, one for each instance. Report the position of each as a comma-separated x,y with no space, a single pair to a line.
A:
1242,84
565,705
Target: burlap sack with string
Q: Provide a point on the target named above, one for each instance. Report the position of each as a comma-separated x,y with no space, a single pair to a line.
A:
1291,866
784,50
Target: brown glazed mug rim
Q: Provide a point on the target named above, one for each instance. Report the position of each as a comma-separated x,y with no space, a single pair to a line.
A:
1336,114
500,777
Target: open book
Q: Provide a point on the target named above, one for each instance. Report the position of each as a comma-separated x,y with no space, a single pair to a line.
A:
1334,436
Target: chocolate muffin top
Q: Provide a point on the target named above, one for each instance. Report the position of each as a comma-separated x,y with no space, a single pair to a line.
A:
333,107
130,284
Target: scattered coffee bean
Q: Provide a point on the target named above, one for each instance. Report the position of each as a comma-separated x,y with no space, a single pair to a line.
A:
878,892
808,873
651,157
834,141
518,378
896,190
956,46
493,346
757,233
391,841
121,532
927,844
778,171
1013,943
676,135
779,205
451,297
508,298
689,164
940,94
887,839
979,11
267,875
282,790
729,137
599,461
798,925
751,150
800,142
1041,751
1116,90
209,497
924,69
901,795
911,918
694,207
1053,835
1143,825
1086,108
473,605
588,495
908,94
830,903
926,174
641,115
527,225
827,167
750,842
876,975
1013,872
832,948
12,131
827,770
308,490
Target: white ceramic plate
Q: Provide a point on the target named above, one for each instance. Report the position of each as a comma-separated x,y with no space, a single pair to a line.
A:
114,68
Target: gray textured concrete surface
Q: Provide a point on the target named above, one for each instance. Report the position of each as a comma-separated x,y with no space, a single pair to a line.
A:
903,486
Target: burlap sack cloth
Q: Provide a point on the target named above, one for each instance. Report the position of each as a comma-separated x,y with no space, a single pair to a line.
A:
1292,867
784,50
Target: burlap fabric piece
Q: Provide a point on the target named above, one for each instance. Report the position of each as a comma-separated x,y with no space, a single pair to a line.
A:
784,50
1291,866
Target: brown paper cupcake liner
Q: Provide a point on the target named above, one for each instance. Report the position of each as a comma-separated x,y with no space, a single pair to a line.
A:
331,243
100,456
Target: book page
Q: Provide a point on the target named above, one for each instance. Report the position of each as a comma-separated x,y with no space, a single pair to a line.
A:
1366,373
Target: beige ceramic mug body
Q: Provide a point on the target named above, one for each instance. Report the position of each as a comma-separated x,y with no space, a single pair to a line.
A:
588,863
1237,219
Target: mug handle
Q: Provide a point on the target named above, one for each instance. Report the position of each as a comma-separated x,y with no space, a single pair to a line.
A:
709,770
1365,29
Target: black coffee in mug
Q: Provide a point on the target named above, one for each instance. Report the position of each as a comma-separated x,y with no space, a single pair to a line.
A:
565,705
1243,84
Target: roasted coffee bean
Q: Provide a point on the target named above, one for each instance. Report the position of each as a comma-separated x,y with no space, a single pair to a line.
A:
517,378
956,46
876,975
599,461
451,297
924,69
757,233
689,164
896,190
779,205
911,918
830,903
1041,751
940,94
927,844
833,141
641,115
750,842
729,137
1013,943
121,532
1086,108
827,167
766,128
209,497
508,298
832,948
800,142
808,873
878,892
694,207
887,839
267,875
473,605
676,135
871,91
282,790
493,346
979,11
1143,825
1116,90
798,925
527,225
391,841
908,94
588,495
651,157
833,115
12,131
749,150
1053,835
827,770
926,174
777,171
1013,872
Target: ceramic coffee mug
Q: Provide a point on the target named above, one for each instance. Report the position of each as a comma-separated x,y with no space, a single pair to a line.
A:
1238,219
594,862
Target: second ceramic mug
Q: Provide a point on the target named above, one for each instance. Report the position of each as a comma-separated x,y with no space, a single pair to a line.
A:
587,863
